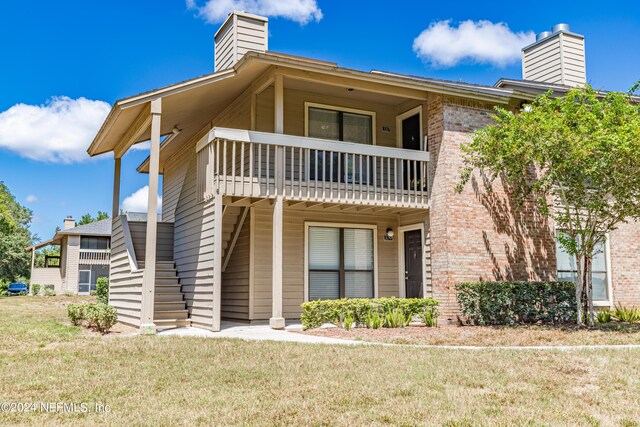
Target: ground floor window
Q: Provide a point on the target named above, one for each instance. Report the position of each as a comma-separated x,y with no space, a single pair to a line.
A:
340,262
568,270
88,276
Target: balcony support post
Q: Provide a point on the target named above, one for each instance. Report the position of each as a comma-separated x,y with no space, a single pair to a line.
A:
277,321
115,211
149,278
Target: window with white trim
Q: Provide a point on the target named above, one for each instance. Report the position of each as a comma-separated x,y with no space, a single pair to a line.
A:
340,262
568,271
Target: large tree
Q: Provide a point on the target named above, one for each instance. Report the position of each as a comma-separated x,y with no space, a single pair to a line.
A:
14,236
578,158
87,218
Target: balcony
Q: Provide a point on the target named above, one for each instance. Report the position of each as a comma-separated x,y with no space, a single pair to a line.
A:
94,256
241,163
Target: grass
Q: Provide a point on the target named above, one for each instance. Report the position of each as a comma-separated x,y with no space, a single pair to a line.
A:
196,381
609,333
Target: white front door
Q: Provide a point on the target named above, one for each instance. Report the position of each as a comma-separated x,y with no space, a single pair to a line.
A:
84,282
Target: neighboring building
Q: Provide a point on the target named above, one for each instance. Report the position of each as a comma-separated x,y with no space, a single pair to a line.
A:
84,257
287,179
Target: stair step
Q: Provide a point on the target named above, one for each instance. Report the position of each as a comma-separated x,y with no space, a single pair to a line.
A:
171,314
167,289
172,323
166,281
169,305
168,297
161,274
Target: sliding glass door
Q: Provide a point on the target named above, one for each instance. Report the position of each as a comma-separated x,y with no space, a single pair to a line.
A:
339,125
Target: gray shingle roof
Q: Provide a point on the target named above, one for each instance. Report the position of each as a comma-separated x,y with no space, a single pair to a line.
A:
97,228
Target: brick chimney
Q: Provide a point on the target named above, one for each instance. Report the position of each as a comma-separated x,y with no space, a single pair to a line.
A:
68,223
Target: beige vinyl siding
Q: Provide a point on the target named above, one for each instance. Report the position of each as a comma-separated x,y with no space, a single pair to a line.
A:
252,36
559,59
164,243
125,285
194,221
235,279
294,113
72,261
293,256
63,264
47,276
224,51
574,60
543,62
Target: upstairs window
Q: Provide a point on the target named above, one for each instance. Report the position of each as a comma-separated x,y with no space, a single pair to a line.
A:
94,242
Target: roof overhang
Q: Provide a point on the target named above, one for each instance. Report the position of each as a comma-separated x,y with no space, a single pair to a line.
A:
54,241
191,104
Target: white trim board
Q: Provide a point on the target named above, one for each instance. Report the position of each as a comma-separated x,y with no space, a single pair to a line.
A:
405,115
401,283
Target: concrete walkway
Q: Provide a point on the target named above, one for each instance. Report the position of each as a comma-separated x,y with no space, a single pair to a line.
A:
256,333
265,333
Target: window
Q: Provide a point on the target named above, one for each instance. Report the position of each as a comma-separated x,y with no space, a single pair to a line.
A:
97,243
340,262
347,125
568,271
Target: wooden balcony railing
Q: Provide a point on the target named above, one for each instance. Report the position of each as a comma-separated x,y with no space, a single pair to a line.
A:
235,162
89,256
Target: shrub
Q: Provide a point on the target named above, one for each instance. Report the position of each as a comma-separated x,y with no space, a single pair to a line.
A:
3,287
315,313
349,319
603,316
396,318
102,290
68,293
373,320
49,291
510,303
430,316
102,317
76,313
35,289
624,314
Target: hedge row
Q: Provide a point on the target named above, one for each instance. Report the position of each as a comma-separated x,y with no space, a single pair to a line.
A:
510,303
316,313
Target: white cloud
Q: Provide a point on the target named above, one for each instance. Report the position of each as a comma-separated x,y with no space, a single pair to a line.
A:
300,11
137,202
444,45
31,198
59,131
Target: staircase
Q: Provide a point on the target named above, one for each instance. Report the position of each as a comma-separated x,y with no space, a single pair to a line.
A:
170,308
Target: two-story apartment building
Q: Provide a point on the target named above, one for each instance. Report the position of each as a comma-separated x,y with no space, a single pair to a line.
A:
288,179
84,257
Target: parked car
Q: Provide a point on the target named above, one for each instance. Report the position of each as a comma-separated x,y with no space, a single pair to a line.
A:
17,289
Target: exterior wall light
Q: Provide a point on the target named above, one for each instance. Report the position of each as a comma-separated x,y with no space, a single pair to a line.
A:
389,235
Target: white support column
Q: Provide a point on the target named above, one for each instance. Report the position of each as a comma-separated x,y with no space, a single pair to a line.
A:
149,278
279,104
217,262
116,188
277,321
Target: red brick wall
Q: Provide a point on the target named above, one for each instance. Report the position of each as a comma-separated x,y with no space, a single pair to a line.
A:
477,235
624,246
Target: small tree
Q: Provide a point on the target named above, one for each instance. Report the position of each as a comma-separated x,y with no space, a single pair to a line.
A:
88,219
578,158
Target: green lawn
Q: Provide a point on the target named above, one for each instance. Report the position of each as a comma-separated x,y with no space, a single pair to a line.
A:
194,381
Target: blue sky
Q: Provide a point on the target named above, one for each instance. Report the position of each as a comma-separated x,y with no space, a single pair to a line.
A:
106,50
